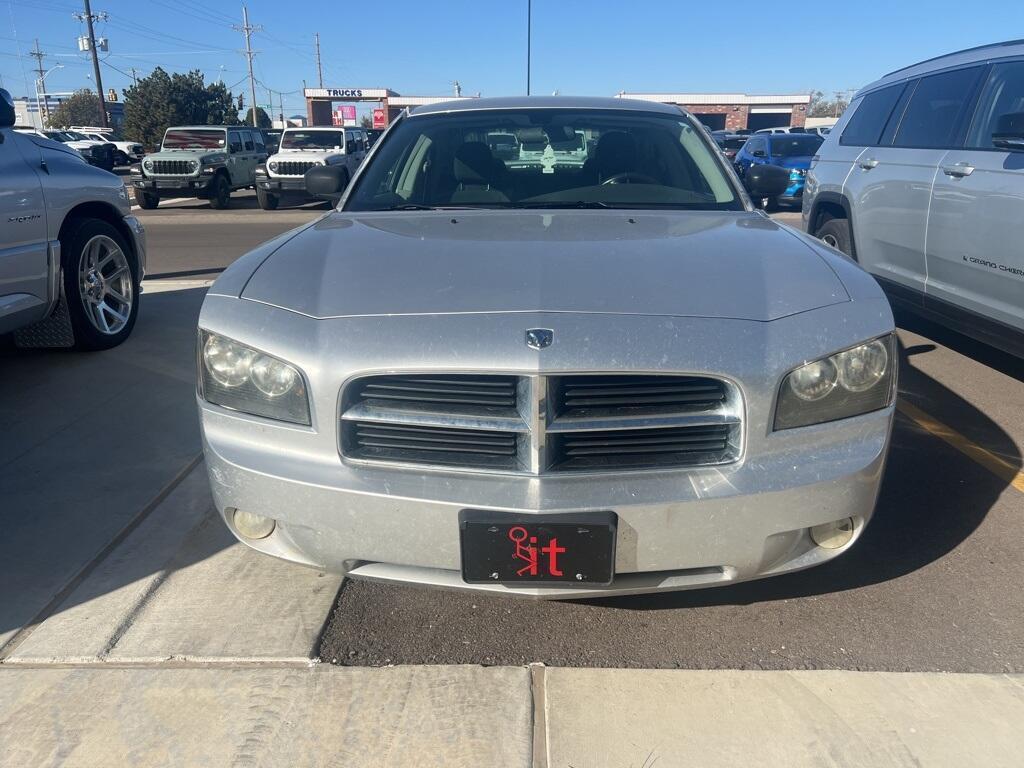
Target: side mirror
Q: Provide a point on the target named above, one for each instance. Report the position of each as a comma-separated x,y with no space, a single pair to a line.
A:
326,181
766,180
759,153
1009,133
6,109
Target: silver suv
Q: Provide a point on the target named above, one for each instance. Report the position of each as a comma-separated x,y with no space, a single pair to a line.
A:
922,182
71,255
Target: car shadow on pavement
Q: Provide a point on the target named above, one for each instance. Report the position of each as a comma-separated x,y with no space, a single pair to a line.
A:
932,499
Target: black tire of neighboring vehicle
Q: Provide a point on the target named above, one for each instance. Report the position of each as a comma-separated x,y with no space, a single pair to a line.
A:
268,201
220,197
836,232
145,200
71,245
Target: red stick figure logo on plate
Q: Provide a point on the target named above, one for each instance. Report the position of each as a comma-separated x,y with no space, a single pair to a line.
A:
526,551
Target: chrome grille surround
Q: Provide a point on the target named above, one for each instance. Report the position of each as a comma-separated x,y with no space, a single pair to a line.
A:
292,167
549,438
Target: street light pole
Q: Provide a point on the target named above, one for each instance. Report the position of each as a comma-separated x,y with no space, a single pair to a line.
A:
95,64
529,25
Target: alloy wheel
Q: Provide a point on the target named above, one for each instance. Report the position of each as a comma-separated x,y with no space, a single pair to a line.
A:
105,285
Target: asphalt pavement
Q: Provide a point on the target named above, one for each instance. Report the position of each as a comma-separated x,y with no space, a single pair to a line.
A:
93,441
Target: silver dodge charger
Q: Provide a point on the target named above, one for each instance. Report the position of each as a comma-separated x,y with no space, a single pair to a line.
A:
583,364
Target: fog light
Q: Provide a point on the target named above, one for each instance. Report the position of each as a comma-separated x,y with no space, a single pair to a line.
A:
253,526
833,535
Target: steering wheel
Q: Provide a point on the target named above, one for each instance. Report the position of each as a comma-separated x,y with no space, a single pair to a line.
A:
630,177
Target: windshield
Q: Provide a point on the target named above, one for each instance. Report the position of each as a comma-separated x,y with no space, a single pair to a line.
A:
545,158
732,143
193,138
58,136
795,145
76,136
313,140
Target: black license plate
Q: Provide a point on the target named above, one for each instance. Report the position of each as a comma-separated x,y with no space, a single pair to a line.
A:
576,548
171,184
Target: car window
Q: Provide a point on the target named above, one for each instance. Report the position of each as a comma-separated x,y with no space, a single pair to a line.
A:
563,159
350,144
755,145
258,138
235,141
247,141
1003,94
312,139
795,144
936,108
869,117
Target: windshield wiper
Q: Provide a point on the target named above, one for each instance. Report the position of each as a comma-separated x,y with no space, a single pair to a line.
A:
577,204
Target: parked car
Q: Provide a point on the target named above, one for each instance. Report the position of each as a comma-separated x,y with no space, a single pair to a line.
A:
792,151
104,150
204,161
72,256
95,153
372,134
602,379
272,140
773,130
125,152
819,130
730,144
922,182
282,177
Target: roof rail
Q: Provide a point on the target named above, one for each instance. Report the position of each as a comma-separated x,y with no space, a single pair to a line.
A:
954,53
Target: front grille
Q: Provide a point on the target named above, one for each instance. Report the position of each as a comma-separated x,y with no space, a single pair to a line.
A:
293,167
580,395
540,424
634,448
172,167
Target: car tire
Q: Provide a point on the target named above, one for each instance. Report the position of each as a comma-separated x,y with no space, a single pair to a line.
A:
100,280
220,196
267,200
145,200
836,233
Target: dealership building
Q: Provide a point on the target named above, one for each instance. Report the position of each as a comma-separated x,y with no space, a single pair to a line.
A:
734,111
322,104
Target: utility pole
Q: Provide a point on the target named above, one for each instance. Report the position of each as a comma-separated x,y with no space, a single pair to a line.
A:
247,29
529,29
458,88
40,83
88,18
135,78
319,69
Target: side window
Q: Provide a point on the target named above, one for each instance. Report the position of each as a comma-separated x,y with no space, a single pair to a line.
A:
260,144
870,116
350,143
936,109
247,141
235,141
1003,94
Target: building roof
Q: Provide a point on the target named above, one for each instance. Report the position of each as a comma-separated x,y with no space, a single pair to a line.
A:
719,98
544,102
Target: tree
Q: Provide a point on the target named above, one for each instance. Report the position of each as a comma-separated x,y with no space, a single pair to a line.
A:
162,100
80,108
262,118
366,121
822,107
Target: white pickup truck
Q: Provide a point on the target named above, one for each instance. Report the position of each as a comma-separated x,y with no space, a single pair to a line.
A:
301,149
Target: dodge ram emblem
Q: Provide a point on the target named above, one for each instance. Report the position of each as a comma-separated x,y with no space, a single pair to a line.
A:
538,338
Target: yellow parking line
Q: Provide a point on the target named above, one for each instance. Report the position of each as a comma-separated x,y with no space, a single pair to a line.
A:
990,461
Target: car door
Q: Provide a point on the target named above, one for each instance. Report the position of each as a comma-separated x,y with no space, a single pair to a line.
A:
236,158
248,160
24,263
976,225
891,184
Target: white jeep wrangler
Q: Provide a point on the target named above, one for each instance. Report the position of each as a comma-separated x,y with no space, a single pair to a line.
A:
302,149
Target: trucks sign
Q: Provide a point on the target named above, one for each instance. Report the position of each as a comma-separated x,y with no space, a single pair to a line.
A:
347,93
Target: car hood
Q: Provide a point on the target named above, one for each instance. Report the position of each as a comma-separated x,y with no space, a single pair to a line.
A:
694,264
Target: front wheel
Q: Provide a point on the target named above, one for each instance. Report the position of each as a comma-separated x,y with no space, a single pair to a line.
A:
220,195
836,233
268,200
145,200
100,284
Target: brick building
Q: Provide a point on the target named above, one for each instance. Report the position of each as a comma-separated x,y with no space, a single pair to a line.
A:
733,111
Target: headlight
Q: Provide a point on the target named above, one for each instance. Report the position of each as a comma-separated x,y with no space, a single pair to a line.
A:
797,173
193,165
848,383
147,164
244,379
272,165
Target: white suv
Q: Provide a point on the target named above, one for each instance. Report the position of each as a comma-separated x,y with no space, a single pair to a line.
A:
283,176
922,182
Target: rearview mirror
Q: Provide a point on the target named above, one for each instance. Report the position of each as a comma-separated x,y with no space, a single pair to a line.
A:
759,153
1009,133
6,109
326,181
766,180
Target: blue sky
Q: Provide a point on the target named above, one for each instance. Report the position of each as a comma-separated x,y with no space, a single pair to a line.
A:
596,47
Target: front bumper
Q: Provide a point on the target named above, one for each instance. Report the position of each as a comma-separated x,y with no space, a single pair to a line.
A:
283,187
178,185
677,529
